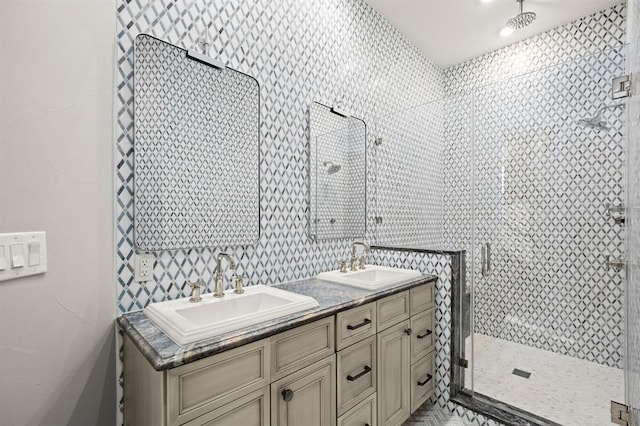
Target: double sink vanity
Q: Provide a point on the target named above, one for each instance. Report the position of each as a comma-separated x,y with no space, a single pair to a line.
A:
345,348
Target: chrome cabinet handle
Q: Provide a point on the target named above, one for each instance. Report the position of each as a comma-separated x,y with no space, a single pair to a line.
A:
485,254
362,324
360,374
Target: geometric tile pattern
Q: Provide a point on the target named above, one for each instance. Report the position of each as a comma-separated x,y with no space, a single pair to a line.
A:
196,151
409,187
633,215
539,188
299,52
433,415
337,198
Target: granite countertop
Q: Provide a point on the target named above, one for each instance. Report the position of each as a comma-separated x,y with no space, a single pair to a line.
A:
163,353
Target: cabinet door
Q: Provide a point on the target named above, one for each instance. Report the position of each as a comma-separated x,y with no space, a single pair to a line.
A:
306,397
394,387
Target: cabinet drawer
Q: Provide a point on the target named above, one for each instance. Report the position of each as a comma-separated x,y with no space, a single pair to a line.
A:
356,373
205,385
422,381
302,346
422,297
249,410
355,324
423,334
392,310
306,397
360,415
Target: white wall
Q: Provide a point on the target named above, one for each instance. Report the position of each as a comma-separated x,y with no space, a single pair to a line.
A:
57,350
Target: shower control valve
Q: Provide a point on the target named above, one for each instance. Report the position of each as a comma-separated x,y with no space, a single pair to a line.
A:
617,264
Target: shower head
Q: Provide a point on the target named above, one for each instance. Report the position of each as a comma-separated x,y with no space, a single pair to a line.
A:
331,168
522,19
597,122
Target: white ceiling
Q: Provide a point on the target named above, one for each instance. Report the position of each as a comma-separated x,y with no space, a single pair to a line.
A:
453,31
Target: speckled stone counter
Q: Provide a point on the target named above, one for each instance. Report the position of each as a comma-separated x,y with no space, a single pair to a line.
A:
163,353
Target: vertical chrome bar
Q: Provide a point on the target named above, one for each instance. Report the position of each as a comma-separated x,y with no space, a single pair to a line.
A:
485,253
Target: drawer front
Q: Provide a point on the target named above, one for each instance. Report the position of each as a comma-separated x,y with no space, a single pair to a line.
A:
423,334
356,373
205,385
361,415
306,397
355,324
302,346
249,410
422,297
392,310
422,381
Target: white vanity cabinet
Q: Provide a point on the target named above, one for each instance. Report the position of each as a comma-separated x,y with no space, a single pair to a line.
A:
369,365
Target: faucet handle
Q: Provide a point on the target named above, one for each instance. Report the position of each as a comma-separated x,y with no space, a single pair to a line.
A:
195,287
362,265
343,266
238,282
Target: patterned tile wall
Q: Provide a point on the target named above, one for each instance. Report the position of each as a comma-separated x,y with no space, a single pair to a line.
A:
337,194
409,169
536,169
299,51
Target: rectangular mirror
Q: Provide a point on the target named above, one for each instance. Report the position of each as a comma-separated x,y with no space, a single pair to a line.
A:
196,149
337,169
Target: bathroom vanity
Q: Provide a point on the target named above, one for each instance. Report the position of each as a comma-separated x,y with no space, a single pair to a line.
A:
360,358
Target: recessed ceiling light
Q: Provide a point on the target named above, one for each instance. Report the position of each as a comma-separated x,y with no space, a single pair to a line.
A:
486,1
506,31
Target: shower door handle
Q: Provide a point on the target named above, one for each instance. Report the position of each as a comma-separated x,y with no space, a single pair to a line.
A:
485,254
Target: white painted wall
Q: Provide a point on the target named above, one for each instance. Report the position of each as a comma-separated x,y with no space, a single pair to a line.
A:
57,350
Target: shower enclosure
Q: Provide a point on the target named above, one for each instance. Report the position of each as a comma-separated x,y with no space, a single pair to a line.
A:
530,179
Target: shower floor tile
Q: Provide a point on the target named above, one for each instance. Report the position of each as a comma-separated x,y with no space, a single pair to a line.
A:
566,390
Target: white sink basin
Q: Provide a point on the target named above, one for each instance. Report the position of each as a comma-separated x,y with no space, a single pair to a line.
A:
187,322
374,277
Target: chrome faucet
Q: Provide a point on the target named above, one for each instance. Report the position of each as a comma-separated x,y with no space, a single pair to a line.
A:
219,290
354,266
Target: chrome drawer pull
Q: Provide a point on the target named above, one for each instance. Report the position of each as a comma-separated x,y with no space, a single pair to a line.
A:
360,374
429,377
422,336
362,324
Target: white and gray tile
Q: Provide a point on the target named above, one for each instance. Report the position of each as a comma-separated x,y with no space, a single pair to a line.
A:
564,389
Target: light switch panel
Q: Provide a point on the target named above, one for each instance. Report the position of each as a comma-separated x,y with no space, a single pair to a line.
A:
17,255
3,258
22,254
34,254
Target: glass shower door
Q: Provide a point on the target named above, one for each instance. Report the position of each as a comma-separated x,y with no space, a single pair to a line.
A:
548,312
633,217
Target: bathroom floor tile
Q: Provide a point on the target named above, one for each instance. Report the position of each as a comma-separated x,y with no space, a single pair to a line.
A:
432,415
567,390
